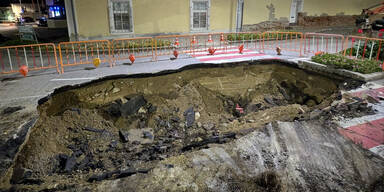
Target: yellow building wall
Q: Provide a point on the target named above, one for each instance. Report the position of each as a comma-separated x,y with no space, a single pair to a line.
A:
160,16
333,7
256,11
152,17
173,16
223,15
92,18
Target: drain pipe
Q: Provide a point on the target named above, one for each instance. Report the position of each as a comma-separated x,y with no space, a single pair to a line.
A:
74,21
72,12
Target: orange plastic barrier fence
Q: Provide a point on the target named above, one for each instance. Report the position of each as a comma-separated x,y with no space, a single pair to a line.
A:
83,52
326,43
35,57
139,47
287,41
200,43
43,56
364,48
250,40
165,45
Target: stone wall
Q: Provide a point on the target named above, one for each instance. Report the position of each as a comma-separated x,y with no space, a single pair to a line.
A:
326,20
267,25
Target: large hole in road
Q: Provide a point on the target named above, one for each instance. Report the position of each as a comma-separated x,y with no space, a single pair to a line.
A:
115,128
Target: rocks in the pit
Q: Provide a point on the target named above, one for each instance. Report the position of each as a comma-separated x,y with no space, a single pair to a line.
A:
189,115
208,126
175,119
117,174
113,144
10,110
77,161
116,90
273,101
169,166
215,139
132,105
348,107
284,93
310,103
139,136
142,124
269,100
75,110
91,129
197,115
151,108
70,164
254,107
114,109
315,114
20,175
62,160
124,136
147,135
370,99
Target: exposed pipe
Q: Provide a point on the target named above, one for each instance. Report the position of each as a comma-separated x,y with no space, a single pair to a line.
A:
74,21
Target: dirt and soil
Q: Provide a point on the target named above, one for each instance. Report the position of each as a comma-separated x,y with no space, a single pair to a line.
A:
126,127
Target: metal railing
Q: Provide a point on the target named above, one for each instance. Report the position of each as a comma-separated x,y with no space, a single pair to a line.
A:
35,57
326,43
364,48
121,49
165,45
83,52
287,41
43,56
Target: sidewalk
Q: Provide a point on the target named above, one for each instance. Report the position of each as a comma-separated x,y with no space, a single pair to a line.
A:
38,84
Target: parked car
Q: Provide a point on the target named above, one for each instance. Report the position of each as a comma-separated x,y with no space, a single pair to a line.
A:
42,22
378,24
28,20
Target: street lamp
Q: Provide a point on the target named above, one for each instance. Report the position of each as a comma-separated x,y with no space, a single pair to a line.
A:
21,10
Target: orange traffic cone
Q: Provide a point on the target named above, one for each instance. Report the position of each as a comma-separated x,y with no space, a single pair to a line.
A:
193,40
132,58
175,53
278,50
241,49
177,42
211,50
222,37
23,70
210,39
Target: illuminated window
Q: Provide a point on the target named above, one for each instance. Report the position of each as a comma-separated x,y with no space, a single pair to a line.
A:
120,13
200,15
56,12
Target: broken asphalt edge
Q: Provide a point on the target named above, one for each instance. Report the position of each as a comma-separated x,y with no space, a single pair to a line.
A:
166,72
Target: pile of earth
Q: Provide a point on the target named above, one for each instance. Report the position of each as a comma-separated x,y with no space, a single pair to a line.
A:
119,127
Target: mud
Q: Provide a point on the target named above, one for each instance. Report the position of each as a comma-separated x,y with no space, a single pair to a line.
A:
120,128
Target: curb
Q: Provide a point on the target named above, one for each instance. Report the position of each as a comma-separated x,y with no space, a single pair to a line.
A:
324,69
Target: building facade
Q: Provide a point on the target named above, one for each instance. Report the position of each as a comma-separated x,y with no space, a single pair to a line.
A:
107,19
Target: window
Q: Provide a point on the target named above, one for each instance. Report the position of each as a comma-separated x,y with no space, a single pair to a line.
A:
120,13
200,15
